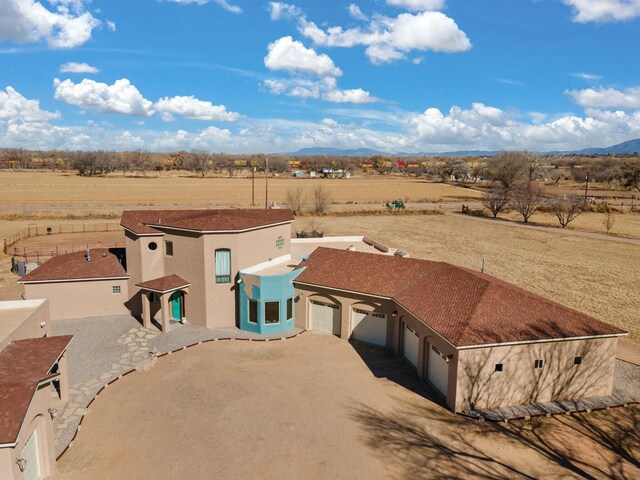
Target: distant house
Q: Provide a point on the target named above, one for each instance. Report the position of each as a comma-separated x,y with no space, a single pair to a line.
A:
479,341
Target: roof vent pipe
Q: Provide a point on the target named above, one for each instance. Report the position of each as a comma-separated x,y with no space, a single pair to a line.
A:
88,255
159,221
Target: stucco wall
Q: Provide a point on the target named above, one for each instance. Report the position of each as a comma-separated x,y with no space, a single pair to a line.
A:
77,299
480,386
37,417
142,264
30,327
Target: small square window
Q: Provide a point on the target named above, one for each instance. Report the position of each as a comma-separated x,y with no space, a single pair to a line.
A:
280,242
253,311
577,360
116,289
499,367
538,364
168,248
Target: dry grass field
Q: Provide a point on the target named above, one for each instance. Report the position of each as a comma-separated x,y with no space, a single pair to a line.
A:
38,190
599,277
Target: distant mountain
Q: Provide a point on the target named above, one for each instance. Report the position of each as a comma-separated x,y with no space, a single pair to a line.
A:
365,152
629,147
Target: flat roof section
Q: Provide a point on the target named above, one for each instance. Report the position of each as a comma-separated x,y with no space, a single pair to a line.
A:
14,313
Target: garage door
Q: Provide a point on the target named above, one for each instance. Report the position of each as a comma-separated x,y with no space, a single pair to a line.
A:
410,345
325,317
369,327
30,454
438,371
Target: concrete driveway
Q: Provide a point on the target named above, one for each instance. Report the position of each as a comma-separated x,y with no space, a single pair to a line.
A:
309,407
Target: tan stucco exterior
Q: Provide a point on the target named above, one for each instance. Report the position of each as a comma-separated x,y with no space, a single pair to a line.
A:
208,303
22,319
472,380
81,298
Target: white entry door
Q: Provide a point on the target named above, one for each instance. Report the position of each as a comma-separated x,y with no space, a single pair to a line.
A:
325,317
410,345
369,327
438,370
30,454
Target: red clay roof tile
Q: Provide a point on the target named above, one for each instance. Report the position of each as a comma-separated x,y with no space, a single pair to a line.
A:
152,221
465,307
72,266
23,365
164,284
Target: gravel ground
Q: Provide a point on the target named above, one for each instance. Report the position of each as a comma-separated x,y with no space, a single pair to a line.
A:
626,381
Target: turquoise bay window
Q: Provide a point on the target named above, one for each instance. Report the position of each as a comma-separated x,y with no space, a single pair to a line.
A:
223,265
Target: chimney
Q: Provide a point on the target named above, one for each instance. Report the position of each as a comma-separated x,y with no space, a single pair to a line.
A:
88,256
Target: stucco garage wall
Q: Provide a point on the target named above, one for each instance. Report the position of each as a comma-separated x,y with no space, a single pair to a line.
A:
37,418
479,386
91,298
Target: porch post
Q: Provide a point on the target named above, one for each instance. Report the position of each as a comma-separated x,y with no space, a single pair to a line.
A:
164,309
146,310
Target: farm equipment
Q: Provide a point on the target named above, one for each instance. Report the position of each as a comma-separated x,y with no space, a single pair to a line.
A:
395,204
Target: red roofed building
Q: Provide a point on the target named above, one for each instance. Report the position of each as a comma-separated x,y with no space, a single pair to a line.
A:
480,342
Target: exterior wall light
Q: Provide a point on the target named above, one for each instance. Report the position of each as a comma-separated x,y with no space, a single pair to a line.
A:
447,358
53,412
22,464
394,313
42,324
239,281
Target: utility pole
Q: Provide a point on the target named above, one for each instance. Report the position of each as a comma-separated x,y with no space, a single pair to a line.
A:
266,183
586,187
253,186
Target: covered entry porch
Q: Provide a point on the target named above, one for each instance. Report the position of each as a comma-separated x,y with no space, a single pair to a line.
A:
164,301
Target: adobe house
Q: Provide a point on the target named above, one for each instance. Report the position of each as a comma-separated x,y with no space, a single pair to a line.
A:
479,341
33,373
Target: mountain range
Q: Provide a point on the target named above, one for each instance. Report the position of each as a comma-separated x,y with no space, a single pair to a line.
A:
629,147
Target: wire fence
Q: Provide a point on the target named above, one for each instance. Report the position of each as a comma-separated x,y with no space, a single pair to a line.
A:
47,251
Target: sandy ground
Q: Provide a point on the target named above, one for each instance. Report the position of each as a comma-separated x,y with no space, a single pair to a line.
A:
310,407
33,190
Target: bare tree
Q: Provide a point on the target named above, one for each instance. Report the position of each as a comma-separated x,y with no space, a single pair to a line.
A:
566,209
526,199
496,200
321,199
295,199
630,175
509,168
608,221
199,163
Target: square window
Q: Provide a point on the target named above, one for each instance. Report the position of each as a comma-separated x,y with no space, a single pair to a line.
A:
253,311
538,364
168,248
116,289
280,242
289,308
223,265
271,312
577,360
499,367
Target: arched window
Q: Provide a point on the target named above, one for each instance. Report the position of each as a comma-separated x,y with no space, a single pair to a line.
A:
223,265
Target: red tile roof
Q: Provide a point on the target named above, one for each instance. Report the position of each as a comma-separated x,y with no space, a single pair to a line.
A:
74,266
151,221
23,365
464,306
164,284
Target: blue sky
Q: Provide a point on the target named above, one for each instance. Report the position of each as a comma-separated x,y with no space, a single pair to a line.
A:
251,76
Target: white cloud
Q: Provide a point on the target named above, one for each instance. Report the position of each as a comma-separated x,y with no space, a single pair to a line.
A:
121,97
325,89
223,3
111,26
75,67
587,76
389,39
280,10
293,56
16,108
607,97
355,12
418,5
192,108
603,10
68,25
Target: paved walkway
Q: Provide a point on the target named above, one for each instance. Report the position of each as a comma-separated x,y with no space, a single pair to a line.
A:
105,348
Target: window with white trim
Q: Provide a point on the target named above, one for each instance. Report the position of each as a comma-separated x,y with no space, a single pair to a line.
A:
271,312
577,360
538,364
223,265
116,289
168,248
499,367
